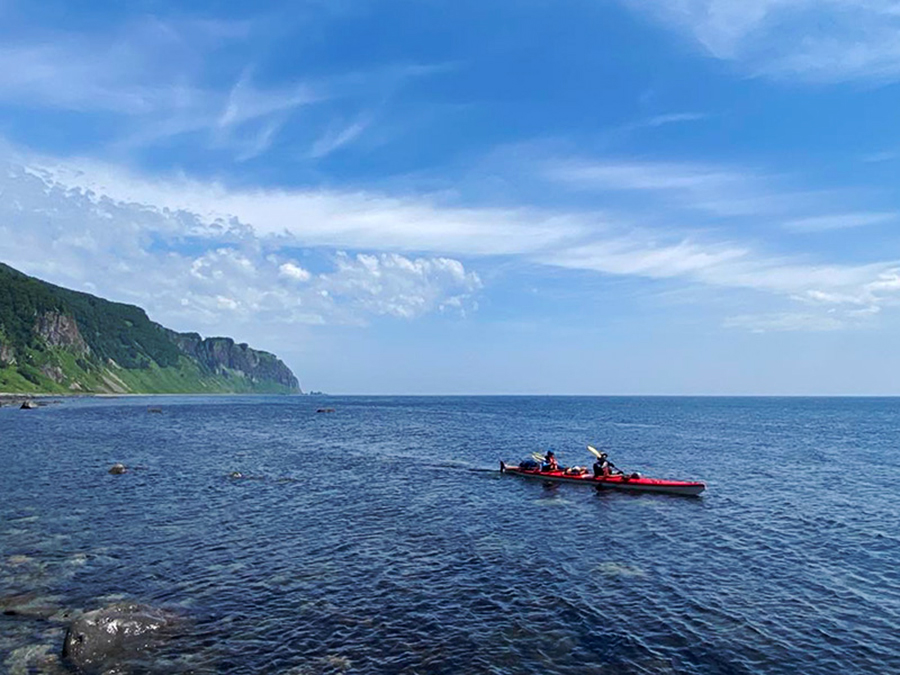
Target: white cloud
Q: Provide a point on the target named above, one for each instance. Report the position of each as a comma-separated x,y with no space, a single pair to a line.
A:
814,40
864,299
784,322
339,219
664,120
211,275
840,221
291,270
143,67
334,139
154,88
246,102
644,175
717,190
410,270
155,80
644,258
723,192
882,156
888,281
391,284
673,118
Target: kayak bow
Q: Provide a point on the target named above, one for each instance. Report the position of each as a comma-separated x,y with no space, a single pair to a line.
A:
617,482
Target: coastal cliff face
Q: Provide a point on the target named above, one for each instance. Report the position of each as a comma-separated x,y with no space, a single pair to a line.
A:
219,355
55,340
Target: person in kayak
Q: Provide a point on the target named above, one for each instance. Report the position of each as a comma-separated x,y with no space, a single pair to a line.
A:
550,463
603,467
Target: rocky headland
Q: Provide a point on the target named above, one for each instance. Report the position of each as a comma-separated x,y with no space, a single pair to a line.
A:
55,340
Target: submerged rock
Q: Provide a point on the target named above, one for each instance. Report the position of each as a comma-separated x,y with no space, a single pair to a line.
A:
34,658
118,468
99,640
32,606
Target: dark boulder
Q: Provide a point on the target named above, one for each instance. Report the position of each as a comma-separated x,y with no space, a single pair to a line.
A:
109,638
118,468
28,404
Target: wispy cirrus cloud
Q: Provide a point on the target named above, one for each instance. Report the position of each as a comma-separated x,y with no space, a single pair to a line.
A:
781,322
157,82
643,175
716,190
146,66
612,243
841,221
356,219
335,138
812,40
734,198
664,120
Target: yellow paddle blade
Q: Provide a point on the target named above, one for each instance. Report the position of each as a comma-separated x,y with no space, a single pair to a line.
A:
594,451
538,456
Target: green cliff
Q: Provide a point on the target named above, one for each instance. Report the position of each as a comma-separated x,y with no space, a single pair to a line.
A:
56,340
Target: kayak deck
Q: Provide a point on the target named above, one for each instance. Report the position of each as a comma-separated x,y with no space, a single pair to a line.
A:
618,482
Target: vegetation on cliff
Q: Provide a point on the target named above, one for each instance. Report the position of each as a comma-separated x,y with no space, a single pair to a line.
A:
54,339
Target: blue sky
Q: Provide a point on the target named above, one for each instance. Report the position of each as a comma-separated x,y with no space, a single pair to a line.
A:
580,196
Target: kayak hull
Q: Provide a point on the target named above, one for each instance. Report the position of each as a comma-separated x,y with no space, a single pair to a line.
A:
669,487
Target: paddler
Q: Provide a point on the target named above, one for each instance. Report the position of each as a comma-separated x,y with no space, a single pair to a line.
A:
603,467
550,463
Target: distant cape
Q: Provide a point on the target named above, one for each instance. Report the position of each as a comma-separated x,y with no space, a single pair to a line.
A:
56,340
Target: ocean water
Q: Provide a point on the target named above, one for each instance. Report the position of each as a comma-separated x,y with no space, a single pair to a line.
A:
376,540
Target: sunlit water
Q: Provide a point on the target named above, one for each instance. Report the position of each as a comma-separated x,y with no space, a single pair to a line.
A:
365,541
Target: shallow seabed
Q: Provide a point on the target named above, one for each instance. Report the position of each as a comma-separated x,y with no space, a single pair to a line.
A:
365,540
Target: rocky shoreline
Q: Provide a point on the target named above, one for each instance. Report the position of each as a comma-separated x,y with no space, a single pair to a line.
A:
27,401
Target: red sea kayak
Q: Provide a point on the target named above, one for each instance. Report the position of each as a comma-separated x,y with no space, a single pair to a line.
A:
641,484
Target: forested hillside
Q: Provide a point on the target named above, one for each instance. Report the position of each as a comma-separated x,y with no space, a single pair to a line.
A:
53,339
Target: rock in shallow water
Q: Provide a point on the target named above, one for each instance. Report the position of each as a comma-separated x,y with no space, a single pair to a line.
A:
31,606
106,637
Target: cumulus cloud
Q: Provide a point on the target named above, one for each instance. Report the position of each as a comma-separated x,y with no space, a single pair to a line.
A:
291,270
194,274
391,284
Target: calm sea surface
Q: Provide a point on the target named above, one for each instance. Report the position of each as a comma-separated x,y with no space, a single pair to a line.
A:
367,540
